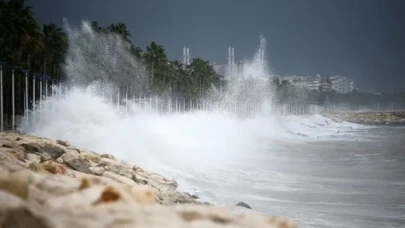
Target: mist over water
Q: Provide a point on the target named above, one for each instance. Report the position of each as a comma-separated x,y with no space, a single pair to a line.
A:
214,153
98,64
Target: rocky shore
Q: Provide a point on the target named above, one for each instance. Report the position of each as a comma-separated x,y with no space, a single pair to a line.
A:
372,118
52,184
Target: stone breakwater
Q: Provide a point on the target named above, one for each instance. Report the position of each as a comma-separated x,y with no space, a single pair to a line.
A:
52,184
375,118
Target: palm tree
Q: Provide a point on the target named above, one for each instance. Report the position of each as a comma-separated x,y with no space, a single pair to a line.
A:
156,61
122,30
203,73
136,52
20,32
55,45
96,27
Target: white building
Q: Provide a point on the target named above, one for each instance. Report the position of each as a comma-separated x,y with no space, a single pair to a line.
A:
341,84
326,84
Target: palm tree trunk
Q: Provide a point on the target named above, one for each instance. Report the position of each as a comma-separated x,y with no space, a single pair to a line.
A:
54,71
151,79
203,86
44,64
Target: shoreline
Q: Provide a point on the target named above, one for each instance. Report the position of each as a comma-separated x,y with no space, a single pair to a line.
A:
53,182
370,118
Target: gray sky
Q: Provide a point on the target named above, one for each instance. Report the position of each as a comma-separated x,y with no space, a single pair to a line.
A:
363,39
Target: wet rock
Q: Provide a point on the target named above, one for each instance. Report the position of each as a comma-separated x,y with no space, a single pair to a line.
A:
68,157
139,180
59,160
243,204
54,167
19,154
36,167
6,155
55,196
173,197
91,157
116,167
81,165
31,147
45,157
63,143
97,170
109,156
53,150
118,178
9,145
33,158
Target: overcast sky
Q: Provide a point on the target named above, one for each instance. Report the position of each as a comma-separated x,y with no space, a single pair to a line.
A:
362,39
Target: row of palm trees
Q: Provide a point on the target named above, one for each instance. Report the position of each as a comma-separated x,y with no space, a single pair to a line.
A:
25,43
168,77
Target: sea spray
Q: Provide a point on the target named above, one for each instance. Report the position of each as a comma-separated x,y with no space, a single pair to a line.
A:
90,114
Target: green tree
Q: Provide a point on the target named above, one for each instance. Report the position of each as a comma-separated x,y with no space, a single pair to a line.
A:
122,30
19,32
96,27
157,63
54,48
203,74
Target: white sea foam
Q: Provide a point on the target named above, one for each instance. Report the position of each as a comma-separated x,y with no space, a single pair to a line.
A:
97,64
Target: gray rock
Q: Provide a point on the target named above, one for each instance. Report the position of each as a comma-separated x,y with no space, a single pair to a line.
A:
9,145
99,171
68,157
243,204
118,178
45,157
116,168
33,158
109,156
53,150
62,143
139,180
31,147
6,156
81,165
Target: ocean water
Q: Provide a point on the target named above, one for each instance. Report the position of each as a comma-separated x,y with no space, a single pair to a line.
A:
337,183
319,172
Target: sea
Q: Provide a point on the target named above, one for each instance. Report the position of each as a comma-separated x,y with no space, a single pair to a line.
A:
319,172
310,168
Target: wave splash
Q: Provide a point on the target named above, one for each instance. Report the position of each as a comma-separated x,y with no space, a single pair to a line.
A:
201,140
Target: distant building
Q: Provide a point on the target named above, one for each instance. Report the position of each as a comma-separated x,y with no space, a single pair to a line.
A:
326,84
342,84
306,82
